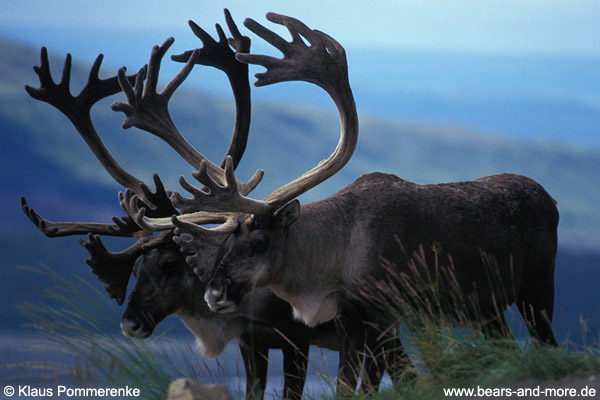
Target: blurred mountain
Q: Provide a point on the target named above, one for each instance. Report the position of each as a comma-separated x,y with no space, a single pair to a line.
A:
43,158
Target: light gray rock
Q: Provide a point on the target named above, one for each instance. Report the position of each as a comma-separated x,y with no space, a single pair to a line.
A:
187,389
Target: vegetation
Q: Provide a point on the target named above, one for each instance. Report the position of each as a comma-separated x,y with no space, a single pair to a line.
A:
469,361
72,320
472,356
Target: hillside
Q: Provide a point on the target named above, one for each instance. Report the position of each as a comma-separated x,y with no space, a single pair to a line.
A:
44,158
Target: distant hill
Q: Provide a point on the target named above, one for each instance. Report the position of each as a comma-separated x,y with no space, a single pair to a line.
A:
44,158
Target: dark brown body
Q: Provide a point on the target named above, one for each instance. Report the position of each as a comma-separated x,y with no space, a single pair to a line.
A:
508,217
319,262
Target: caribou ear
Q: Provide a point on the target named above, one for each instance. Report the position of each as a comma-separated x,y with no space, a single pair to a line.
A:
287,215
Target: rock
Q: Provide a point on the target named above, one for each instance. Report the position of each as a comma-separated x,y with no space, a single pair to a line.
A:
187,389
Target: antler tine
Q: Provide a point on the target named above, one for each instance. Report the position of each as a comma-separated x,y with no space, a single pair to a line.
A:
216,197
157,203
218,54
199,217
322,63
201,245
122,227
77,108
114,269
130,203
230,224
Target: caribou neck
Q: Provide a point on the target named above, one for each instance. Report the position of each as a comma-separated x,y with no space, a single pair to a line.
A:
311,267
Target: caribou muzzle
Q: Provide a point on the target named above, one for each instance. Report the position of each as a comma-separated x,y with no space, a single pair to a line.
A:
134,327
216,298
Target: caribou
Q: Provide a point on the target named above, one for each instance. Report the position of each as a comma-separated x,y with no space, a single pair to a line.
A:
165,282
318,256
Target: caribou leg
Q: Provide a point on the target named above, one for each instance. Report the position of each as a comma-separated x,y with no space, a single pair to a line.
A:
351,334
295,364
255,363
384,352
536,305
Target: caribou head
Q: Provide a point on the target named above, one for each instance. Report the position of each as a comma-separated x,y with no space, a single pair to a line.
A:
164,286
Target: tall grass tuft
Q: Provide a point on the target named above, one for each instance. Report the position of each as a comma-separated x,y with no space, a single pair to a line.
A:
449,343
73,320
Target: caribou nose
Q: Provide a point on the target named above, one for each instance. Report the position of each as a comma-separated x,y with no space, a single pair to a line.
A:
129,326
214,295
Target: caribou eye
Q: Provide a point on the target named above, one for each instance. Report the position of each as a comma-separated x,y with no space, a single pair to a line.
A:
259,242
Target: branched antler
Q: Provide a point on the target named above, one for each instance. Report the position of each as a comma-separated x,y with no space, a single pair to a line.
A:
201,245
114,269
217,197
148,110
158,202
322,63
123,226
218,54
131,204
77,108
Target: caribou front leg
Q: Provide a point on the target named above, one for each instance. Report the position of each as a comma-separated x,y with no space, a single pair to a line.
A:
351,334
255,363
295,364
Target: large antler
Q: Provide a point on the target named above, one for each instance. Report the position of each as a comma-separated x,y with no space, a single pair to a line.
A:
122,226
77,109
322,63
220,55
114,269
148,110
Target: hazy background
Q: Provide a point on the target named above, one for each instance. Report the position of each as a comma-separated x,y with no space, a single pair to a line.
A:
446,91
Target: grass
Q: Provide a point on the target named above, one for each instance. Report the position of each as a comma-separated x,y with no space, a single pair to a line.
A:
469,361
72,321
430,301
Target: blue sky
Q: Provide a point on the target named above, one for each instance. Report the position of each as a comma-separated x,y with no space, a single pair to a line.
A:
540,26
